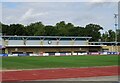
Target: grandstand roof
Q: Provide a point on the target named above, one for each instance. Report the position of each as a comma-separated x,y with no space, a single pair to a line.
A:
105,43
55,45
42,37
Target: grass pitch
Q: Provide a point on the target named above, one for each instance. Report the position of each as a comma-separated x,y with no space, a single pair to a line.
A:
57,62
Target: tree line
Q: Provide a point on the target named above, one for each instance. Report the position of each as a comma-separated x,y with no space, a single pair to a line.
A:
59,29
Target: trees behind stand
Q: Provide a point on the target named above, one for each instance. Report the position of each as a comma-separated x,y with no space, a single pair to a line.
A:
60,29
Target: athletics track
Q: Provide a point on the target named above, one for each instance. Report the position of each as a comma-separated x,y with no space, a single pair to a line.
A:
48,74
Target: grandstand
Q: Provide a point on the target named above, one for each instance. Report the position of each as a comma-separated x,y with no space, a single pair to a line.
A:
53,45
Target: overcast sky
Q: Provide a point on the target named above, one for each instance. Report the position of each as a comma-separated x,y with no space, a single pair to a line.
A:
78,13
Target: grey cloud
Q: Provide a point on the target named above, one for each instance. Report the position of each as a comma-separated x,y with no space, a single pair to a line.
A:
79,13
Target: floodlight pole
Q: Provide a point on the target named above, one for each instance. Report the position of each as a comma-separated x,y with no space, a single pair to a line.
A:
116,24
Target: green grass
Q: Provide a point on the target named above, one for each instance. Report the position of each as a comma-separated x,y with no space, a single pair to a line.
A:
57,62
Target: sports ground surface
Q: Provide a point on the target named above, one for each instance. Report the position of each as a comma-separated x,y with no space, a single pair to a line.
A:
57,62
58,67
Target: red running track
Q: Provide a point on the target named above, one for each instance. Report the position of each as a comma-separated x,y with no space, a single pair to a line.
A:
29,75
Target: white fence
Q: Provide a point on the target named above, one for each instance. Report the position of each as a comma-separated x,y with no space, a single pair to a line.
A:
64,54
